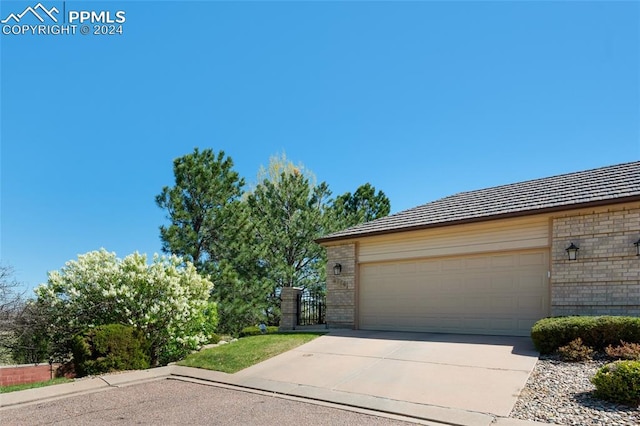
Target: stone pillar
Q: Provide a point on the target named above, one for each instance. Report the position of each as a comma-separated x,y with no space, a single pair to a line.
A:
341,289
289,308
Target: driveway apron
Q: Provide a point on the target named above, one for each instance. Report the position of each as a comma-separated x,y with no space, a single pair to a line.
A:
482,374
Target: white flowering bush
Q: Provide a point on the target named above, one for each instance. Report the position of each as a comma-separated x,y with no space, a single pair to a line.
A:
167,300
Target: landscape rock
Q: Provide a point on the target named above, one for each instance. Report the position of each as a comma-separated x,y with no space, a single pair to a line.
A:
561,393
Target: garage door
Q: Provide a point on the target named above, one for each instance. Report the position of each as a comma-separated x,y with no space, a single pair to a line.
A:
498,293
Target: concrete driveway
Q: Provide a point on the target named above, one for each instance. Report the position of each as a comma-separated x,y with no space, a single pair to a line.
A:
448,376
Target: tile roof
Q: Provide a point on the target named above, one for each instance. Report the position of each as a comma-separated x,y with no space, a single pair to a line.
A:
604,185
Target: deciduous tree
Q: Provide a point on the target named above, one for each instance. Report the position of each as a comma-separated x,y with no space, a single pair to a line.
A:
167,300
10,296
11,304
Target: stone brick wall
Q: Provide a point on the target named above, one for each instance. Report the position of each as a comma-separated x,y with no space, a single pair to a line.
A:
605,278
341,289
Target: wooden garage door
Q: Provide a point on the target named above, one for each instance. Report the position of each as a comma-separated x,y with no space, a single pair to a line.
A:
498,293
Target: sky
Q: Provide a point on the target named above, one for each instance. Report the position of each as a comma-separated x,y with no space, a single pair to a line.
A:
422,99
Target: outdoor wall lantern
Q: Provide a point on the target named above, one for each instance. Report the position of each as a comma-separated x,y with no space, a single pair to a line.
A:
337,269
637,244
572,251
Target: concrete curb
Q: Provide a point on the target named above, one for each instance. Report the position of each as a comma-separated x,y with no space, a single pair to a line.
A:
429,413
52,392
135,377
87,385
425,412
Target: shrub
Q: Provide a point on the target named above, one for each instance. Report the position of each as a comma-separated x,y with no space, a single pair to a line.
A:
254,331
166,299
110,347
549,334
628,351
619,381
575,351
67,369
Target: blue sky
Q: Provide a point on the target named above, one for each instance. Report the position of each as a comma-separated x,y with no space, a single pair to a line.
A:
421,99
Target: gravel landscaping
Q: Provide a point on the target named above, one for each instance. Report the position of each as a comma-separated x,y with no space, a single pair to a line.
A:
560,393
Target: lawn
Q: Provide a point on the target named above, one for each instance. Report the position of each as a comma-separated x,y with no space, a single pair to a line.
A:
246,352
15,388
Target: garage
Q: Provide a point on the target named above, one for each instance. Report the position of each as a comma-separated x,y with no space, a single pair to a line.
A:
495,260
501,293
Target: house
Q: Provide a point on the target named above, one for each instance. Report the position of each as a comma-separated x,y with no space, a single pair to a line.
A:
495,260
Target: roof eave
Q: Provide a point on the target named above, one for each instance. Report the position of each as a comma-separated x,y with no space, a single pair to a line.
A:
509,215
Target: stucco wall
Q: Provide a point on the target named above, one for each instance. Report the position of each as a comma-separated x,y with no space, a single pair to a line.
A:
605,278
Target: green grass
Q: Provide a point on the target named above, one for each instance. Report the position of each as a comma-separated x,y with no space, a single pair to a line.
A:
15,388
246,352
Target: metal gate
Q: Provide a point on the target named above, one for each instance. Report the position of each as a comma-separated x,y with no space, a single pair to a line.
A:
311,309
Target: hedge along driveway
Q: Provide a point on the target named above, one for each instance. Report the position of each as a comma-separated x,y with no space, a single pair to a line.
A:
598,332
247,351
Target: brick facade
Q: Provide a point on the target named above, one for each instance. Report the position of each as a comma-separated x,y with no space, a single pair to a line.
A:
22,374
605,278
341,289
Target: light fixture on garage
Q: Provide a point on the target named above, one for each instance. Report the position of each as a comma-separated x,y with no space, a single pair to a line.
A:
337,269
572,251
637,244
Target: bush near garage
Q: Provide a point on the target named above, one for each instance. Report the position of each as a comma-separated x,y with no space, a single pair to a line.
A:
626,351
598,332
112,347
575,351
619,381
